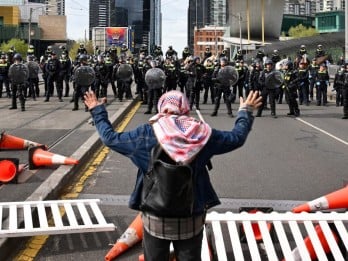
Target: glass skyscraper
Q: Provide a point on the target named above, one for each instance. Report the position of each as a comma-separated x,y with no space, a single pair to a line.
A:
141,15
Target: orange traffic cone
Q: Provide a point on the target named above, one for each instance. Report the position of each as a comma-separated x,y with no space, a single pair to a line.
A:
130,237
8,142
8,169
337,199
255,225
308,243
38,156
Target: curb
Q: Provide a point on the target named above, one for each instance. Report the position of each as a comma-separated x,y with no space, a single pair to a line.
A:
52,186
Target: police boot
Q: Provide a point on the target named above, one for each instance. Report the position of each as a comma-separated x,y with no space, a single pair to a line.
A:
229,109
76,104
22,103
297,113
216,108
14,102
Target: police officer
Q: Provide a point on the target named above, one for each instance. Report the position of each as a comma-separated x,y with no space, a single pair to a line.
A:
84,77
186,53
319,52
4,67
302,51
152,94
171,53
208,81
222,87
124,50
259,55
31,50
96,51
109,62
267,91
33,81
18,74
313,71
101,82
139,79
196,71
254,76
123,75
242,78
321,84
275,56
239,55
338,85
158,51
82,49
53,68
303,83
345,93
290,87
207,53
48,51
171,75
144,50
64,73
10,53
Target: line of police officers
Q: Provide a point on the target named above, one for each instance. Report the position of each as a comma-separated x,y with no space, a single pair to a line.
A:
192,74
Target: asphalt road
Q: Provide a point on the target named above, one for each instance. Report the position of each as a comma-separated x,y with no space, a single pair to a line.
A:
285,161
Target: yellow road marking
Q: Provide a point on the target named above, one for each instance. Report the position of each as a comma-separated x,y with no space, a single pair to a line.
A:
34,244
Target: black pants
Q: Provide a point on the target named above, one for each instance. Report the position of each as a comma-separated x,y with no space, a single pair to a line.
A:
321,93
345,101
226,91
156,249
153,97
18,90
291,95
271,93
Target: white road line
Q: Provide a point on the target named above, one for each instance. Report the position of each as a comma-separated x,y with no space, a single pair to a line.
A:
323,131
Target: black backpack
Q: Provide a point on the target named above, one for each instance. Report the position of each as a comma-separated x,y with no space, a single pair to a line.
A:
168,188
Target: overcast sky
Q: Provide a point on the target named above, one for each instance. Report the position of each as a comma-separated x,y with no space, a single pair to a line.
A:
174,22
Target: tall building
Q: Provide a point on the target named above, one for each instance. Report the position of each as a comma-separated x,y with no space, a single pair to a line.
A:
218,12
311,7
198,16
142,16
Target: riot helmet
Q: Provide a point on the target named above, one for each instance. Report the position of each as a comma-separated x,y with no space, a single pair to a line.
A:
17,57
83,58
268,61
289,65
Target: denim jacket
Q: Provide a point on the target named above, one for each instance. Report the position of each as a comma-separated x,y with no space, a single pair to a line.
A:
138,143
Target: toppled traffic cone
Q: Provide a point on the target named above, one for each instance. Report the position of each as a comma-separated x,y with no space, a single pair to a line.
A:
130,237
255,226
9,142
308,243
8,170
39,156
337,199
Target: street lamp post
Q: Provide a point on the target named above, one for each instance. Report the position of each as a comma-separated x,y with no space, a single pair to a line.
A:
239,17
29,25
346,31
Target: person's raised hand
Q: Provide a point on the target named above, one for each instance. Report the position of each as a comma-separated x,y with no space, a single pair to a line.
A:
91,101
253,100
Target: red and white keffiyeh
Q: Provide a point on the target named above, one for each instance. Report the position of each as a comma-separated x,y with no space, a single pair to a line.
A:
181,136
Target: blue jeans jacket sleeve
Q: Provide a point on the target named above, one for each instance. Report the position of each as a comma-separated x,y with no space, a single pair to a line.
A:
138,143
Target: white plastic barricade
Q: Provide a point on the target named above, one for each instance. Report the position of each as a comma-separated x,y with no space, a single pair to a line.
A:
284,236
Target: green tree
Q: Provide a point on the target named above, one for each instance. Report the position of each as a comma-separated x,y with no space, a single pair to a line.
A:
75,46
302,31
19,45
